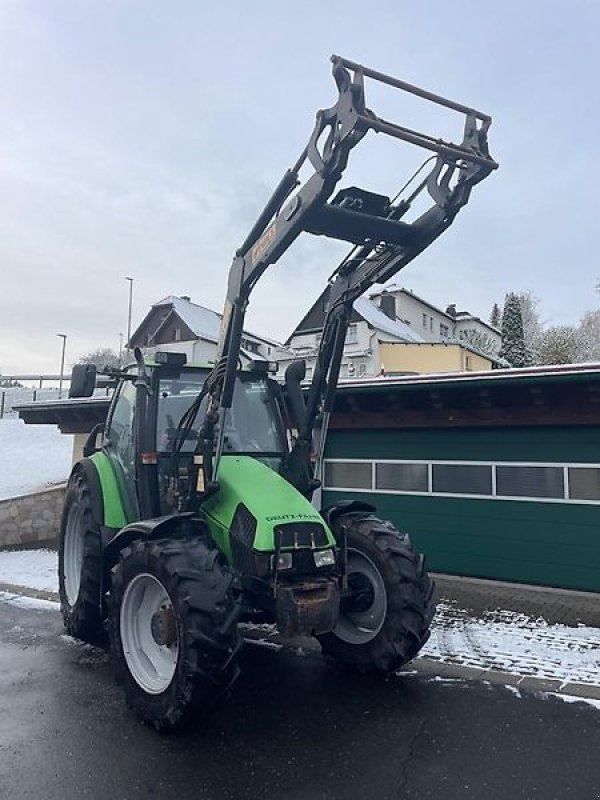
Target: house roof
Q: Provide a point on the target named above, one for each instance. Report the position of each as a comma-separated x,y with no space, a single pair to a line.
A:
392,288
396,329
203,322
461,316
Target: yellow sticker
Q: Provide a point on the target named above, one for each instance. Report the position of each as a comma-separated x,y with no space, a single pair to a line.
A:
263,243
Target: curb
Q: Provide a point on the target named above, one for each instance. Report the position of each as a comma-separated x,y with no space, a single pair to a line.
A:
427,667
27,591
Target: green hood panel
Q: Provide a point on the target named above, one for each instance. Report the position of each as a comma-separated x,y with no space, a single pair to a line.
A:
268,497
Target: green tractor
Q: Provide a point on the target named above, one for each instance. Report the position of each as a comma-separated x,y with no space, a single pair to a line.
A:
191,510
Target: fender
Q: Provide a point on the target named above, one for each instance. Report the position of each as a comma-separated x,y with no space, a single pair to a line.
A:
90,472
330,513
147,529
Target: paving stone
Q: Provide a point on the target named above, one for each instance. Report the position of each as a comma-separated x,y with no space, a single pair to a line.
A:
539,684
581,690
504,678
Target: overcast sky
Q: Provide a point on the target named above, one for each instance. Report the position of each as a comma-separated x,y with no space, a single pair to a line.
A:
142,139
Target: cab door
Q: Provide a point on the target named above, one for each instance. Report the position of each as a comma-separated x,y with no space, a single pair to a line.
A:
120,446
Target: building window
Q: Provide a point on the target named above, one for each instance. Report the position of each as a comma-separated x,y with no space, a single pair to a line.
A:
352,334
462,478
431,323
502,482
468,363
362,370
177,334
402,477
584,483
444,331
425,321
530,481
348,475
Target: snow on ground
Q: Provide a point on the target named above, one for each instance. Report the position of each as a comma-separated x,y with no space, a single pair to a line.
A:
35,603
36,569
570,698
31,457
515,643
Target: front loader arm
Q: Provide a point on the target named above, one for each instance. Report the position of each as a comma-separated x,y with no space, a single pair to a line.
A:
385,243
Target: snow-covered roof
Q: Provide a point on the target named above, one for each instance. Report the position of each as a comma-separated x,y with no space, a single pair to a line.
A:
374,316
460,316
202,321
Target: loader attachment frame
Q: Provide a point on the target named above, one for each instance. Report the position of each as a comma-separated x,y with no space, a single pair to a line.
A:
383,242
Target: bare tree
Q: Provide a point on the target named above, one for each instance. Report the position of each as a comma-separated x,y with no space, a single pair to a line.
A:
102,357
561,344
532,326
589,329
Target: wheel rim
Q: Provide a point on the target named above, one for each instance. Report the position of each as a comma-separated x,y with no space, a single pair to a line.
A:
151,663
73,553
362,618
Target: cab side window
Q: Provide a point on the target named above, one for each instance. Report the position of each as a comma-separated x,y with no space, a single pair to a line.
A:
120,445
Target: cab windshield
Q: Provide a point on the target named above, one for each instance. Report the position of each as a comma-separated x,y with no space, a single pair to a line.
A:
252,426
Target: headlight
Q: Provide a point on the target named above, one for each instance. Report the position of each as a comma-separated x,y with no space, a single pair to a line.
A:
284,561
324,558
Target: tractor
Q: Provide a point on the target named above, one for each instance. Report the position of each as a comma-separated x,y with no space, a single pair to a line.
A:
191,510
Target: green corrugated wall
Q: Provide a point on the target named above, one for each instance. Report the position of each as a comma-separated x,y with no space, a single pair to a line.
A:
553,544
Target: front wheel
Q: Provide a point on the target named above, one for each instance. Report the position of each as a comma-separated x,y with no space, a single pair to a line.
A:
387,607
173,629
80,563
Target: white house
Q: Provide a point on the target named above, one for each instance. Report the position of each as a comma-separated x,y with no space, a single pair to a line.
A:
433,324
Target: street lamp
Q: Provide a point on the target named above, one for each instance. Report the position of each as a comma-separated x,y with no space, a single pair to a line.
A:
129,313
62,336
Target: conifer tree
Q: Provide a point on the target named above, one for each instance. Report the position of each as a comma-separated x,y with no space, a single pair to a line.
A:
513,339
495,316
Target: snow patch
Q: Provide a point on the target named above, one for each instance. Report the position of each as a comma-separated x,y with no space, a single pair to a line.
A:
35,603
515,643
36,569
513,689
32,457
571,698
265,643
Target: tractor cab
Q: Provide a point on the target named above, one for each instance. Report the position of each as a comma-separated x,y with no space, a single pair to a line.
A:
154,425
253,426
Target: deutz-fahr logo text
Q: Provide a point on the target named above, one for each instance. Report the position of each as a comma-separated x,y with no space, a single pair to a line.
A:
295,517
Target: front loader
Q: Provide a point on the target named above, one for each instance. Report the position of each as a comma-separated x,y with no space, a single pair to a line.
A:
191,510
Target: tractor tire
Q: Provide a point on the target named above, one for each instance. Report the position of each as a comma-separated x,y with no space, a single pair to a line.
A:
385,619
173,629
80,563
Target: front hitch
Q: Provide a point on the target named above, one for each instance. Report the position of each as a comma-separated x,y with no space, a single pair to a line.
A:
308,608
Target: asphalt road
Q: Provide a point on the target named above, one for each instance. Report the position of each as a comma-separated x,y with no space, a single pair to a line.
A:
294,727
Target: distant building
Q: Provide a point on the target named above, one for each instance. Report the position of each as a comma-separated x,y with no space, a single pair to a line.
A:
394,331
433,324
176,323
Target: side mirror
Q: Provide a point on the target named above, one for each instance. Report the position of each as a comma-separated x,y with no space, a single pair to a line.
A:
92,445
83,380
294,375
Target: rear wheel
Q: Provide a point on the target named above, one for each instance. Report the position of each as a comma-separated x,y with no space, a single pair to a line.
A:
387,610
80,563
173,629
